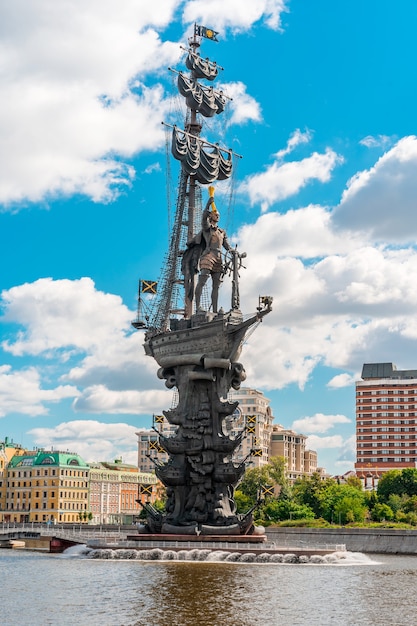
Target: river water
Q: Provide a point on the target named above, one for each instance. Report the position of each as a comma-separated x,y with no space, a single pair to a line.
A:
41,589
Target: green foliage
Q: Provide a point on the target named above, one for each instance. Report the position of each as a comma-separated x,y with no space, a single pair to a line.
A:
273,473
278,510
382,512
307,523
411,518
354,481
371,499
242,501
398,482
313,501
311,490
396,502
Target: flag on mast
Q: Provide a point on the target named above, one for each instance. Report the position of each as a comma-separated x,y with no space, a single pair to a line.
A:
148,286
203,31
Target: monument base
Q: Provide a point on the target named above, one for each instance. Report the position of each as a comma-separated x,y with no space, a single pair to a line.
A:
186,539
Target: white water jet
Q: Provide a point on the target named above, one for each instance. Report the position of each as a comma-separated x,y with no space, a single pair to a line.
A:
217,556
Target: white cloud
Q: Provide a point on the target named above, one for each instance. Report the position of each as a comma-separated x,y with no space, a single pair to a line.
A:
319,443
282,180
21,392
92,440
342,380
69,102
347,452
99,399
98,352
243,107
46,307
235,14
296,139
74,106
319,423
381,200
380,141
304,233
355,304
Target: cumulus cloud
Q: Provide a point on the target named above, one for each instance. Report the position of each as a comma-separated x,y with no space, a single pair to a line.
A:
379,141
283,180
243,107
380,200
338,300
347,453
319,423
99,399
46,307
21,392
83,110
98,353
92,440
297,138
234,14
319,443
86,108
342,380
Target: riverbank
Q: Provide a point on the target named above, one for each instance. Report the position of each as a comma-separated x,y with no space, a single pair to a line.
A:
367,540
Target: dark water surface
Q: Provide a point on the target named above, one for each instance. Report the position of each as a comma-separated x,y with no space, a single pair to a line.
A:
42,589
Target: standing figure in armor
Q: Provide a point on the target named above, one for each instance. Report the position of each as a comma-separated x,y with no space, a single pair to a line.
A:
205,253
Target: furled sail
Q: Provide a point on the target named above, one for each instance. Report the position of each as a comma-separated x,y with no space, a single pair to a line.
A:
205,166
204,100
202,68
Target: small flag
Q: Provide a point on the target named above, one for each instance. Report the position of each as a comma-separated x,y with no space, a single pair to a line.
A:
154,445
251,419
145,490
251,430
267,490
256,452
148,286
203,31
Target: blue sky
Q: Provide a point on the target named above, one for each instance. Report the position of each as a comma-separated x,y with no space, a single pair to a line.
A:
323,112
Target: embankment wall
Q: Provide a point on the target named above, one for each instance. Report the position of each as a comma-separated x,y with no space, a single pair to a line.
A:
355,539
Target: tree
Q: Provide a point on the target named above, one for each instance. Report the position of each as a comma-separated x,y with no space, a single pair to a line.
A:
311,490
382,512
343,504
390,483
272,473
276,468
409,481
243,502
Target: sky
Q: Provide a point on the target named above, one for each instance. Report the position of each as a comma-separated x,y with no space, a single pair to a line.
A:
323,114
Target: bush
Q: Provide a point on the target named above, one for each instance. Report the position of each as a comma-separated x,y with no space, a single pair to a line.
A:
382,512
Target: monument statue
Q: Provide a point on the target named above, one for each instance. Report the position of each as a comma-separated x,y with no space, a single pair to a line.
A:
198,351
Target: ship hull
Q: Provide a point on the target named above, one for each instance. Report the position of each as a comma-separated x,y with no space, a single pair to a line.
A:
217,339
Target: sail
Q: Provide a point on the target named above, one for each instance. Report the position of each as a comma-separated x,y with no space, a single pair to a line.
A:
202,68
206,166
204,100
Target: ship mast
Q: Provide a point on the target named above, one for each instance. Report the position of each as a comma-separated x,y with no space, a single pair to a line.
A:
194,128
202,163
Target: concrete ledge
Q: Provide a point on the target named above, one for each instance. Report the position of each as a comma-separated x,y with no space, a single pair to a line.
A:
374,540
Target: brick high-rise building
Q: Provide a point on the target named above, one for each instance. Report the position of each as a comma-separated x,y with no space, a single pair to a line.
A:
386,418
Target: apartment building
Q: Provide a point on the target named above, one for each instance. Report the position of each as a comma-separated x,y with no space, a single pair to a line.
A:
149,450
253,413
45,486
386,418
114,491
292,446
